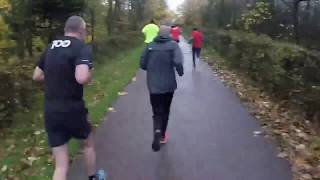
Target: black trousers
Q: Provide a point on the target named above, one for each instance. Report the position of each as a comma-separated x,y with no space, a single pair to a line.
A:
161,104
195,53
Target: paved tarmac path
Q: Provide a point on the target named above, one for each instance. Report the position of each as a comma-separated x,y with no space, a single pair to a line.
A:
211,136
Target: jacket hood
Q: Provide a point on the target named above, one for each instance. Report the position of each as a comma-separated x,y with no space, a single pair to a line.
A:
162,39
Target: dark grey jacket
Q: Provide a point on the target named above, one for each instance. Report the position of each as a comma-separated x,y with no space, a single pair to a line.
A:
160,59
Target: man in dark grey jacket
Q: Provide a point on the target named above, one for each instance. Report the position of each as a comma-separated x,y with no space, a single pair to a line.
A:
160,59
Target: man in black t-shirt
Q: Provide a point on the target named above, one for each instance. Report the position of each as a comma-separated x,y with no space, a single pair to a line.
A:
65,69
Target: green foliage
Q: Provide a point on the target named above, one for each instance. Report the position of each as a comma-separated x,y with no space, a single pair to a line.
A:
51,15
191,11
256,16
117,43
17,32
6,44
16,90
286,70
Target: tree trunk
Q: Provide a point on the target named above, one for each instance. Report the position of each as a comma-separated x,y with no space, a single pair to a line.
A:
133,15
29,44
110,17
234,14
117,10
296,20
21,45
221,14
93,23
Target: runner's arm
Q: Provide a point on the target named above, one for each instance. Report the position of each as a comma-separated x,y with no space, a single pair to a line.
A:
38,74
144,60
83,74
178,60
83,66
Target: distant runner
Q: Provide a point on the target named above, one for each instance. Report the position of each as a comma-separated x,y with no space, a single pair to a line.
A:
176,33
160,59
65,69
197,40
150,31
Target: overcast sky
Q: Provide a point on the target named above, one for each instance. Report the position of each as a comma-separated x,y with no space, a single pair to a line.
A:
173,4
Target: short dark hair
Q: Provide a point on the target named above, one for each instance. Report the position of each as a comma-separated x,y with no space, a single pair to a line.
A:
74,24
152,21
195,29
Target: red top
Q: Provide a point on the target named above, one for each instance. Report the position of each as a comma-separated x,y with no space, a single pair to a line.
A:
197,39
175,33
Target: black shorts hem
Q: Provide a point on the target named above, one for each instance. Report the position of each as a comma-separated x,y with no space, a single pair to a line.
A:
62,126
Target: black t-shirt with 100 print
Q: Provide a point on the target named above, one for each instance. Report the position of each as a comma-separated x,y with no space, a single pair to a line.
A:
62,92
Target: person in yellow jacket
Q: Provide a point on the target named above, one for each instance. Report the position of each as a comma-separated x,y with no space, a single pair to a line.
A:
150,31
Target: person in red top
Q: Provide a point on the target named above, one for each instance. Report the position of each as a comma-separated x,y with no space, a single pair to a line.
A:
175,33
197,40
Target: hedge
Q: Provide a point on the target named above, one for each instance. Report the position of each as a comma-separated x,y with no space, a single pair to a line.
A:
16,90
286,70
118,43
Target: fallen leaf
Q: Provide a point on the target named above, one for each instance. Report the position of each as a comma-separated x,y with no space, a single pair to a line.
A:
50,160
31,160
122,93
257,133
282,155
302,164
285,135
37,133
300,147
303,136
111,109
4,168
134,79
306,176
11,147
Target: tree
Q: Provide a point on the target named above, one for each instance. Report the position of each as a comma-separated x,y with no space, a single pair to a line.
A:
296,4
5,42
51,15
256,16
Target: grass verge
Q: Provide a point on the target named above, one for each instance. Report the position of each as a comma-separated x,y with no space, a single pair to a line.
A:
24,152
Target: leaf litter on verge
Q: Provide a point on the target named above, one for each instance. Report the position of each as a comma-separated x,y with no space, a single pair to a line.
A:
279,118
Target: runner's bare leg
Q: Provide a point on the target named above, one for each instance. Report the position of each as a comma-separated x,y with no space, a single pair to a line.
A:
61,157
90,155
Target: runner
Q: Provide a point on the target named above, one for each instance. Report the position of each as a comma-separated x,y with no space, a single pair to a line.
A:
160,59
65,69
197,40
176,33
150,31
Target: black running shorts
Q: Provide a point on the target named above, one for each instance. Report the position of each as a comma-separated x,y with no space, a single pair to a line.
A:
62,126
